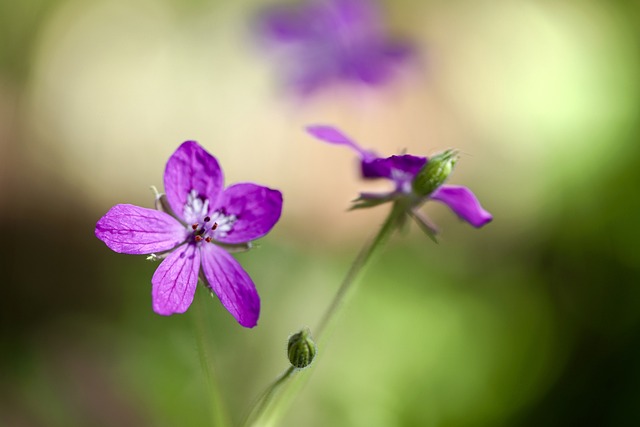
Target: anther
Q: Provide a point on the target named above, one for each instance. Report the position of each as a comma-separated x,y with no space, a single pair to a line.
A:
207,219
207,239
194,226
214,226
198,238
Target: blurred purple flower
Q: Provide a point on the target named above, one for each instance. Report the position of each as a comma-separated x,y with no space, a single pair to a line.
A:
324,41
201,219
407,172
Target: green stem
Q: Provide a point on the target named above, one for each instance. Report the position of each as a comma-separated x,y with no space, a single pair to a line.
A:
218,415
259,415
358,264
263,402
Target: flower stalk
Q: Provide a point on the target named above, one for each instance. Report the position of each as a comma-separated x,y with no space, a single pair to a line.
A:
261,412
394,218
219,417
271,404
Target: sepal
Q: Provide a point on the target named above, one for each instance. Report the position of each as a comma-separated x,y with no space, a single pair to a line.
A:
434,173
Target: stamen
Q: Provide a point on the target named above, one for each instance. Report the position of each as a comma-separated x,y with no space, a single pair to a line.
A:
211,227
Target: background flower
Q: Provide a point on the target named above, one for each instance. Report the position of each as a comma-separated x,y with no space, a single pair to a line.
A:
327,41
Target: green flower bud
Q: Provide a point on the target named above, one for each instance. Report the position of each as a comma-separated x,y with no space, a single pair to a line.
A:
301,349
434,173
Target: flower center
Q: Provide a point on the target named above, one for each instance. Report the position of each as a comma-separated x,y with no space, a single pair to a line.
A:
402,179
196,208
206,227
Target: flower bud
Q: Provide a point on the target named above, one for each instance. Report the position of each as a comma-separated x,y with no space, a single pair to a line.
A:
434,173
301,349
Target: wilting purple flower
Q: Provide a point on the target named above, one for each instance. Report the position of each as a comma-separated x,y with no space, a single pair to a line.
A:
325,41
202,220
416,180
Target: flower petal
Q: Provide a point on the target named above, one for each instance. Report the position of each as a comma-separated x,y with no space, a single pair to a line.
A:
464,203
175,280
191,167
256,208
349,20
374,62
287,24
231,284
397,51
311,73
366,65
317,22
398,168
334,136
130,229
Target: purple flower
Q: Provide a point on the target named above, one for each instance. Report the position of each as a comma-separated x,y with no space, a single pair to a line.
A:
417,179
202,220
325,41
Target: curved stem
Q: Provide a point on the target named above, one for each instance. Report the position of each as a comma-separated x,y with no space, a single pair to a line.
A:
358,264
263,401
393,220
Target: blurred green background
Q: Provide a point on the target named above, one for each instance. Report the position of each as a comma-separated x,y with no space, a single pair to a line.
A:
533,320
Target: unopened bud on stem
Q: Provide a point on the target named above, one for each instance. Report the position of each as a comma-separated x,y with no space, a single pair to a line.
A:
301,349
